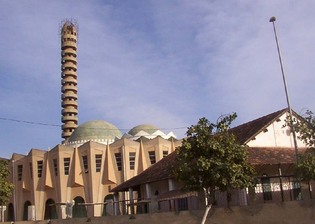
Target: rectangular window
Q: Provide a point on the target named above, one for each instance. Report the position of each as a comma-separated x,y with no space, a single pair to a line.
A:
20,171
39,168
152,157
266,186
55,162
165,153
66,165
118,161
85,164
31,170
98,162
132,158
182,204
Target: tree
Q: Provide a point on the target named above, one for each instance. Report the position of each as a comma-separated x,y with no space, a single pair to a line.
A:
305,166
6,188
306,128
210,159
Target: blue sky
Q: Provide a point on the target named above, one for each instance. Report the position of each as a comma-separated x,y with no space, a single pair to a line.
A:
166,63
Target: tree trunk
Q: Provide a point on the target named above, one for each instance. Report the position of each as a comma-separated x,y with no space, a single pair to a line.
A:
204,218
208,201
310,189
228,199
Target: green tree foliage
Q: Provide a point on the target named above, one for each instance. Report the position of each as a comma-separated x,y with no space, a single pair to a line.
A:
306,129
6,188
305,167
210,159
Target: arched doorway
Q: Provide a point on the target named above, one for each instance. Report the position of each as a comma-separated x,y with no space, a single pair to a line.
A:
25,210
108,208
79,210
10,213
50,210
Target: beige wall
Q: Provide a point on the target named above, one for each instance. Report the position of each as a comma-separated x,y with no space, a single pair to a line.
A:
93,186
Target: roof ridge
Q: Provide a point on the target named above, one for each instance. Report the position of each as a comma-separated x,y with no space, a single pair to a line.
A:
247,130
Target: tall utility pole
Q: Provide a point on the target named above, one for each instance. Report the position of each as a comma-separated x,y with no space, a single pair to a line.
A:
272,20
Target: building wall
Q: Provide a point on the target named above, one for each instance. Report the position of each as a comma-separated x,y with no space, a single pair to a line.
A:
89,171
277,134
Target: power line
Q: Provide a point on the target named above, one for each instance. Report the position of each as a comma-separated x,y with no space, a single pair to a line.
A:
29,122
56,125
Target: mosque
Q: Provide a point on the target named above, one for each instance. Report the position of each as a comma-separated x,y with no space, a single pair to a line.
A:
76,178
93,158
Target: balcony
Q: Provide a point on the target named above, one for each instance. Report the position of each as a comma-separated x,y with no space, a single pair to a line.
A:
66,134
69,35
66,118
69,126
68,73
69,95
69,88
68,66
70,58
69,51
70,44
67,111
72,103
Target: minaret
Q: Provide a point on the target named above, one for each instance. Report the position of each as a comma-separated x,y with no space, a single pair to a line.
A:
69,97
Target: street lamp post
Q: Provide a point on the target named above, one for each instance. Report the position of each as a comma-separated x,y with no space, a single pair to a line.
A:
272,20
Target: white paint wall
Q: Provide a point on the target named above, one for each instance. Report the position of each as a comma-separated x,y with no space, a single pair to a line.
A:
275,135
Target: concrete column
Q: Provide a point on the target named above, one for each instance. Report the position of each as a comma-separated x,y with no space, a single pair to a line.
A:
280,181
116,204
63,211
171,186
132,211
148,190
69,208
242,197
3,208
31,212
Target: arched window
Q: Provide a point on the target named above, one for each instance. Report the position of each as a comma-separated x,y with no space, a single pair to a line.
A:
10,213
79,210
50,210
108,208
25,211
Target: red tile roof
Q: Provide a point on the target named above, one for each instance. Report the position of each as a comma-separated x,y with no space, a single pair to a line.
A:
160,171
163,169
258,155
271,155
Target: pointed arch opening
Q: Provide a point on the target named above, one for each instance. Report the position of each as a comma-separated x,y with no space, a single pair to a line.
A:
79,210
10,217
50,210
25,210
108,208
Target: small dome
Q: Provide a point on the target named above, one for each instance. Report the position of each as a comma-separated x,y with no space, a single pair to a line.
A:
95,130
150,129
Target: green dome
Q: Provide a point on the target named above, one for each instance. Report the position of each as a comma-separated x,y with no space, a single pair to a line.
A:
95,130
150,129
